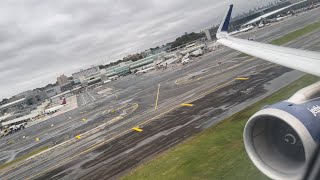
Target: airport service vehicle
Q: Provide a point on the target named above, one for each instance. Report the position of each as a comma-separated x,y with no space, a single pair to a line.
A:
12,126
261,25
185,61
280,139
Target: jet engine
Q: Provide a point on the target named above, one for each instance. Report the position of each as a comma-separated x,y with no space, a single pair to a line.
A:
281,138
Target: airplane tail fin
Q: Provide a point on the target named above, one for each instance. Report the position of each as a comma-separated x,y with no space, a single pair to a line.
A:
224,25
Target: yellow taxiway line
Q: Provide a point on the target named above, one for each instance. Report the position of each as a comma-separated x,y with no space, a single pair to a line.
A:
242,78
186,105
137,129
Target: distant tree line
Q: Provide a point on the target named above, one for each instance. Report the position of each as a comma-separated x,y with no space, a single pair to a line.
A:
186,39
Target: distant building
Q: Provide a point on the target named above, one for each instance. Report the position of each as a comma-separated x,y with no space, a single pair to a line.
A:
23,101
208,35
89,76
85,73
64,83
123,64
52,91
13,106
62,80
66,87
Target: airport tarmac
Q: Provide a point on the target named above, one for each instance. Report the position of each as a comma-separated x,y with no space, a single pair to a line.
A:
106,146
85,98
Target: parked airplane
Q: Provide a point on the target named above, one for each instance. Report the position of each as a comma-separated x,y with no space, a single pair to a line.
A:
53,109
246,29
185,59
280,139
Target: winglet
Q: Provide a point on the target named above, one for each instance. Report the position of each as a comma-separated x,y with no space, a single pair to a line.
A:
223,28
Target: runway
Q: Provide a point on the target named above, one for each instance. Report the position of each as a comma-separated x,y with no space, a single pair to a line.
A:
108,147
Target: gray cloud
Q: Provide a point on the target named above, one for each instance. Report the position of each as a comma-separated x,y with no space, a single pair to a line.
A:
41,39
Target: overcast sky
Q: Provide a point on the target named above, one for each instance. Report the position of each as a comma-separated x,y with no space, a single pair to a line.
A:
41,39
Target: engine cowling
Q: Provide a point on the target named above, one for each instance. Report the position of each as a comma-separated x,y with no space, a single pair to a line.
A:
281,138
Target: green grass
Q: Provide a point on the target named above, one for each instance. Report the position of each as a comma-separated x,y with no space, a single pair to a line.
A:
291,36
24,157
217,152
295,34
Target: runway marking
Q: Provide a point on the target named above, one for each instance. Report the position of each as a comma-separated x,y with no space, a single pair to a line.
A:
242,78
186,105
137,129
156,106
83,100
191,100
93,99
183,80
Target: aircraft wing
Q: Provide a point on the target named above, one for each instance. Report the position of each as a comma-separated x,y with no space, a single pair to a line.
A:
306,61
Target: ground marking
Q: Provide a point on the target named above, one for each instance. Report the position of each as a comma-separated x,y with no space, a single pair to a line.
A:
83,100
137,129
186,105
156,106
93,99
242,78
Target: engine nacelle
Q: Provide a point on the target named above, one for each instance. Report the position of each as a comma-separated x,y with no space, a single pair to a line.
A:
281,138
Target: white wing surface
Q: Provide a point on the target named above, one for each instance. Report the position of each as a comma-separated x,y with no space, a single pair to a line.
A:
306,61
